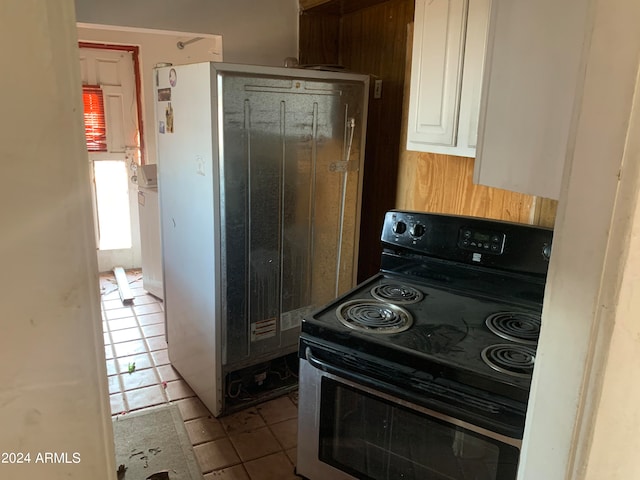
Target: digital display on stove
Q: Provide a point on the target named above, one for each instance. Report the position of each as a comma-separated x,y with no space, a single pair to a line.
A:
481,241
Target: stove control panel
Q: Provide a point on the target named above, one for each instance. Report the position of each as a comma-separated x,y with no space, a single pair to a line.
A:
404,230
481,240
416,230
471,240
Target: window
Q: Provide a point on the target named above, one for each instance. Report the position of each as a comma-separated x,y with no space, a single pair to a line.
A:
95,128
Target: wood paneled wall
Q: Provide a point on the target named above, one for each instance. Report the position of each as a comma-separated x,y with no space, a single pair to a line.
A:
319,39
443,184
375,39
372,40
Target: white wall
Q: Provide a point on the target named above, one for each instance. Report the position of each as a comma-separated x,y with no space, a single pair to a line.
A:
53,384
261,32
613,452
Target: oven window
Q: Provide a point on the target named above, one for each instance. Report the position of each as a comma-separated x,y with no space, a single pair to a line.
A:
371,438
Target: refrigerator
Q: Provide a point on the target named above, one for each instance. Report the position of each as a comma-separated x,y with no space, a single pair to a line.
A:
260,179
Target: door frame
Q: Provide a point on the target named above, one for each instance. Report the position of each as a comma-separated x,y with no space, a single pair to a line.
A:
133,258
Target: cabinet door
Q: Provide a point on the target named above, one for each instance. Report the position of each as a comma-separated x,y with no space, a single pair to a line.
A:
532,76
436,73
474,53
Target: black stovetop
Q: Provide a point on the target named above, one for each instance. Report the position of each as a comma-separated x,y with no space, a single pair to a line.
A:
446,338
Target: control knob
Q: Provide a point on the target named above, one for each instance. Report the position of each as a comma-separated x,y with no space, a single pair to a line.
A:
417,230
399,228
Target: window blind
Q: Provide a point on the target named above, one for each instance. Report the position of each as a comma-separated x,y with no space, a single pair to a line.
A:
95,127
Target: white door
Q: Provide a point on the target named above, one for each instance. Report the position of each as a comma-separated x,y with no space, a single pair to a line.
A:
115,195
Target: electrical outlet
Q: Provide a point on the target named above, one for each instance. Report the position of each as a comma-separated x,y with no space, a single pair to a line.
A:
377,88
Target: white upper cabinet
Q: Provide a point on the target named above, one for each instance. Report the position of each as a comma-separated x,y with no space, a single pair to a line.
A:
449,44
532,79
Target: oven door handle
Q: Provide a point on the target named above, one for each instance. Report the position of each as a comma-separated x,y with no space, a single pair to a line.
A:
352,376
332,369
343,373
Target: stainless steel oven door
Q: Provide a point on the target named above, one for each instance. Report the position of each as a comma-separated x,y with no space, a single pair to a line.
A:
347,431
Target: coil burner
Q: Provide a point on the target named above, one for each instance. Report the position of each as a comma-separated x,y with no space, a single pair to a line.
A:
514,360
518,327
374,316
397,293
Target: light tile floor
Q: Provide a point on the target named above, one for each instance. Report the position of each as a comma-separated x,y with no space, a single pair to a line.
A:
258,443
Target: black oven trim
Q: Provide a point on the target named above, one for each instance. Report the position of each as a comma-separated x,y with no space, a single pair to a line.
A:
488,411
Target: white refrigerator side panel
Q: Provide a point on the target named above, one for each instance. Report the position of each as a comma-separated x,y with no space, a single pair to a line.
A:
151,250
188,187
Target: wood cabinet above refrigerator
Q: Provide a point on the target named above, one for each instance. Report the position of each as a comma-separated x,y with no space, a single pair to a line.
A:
446,75
531,80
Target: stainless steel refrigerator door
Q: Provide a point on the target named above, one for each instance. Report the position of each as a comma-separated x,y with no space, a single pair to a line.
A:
290,160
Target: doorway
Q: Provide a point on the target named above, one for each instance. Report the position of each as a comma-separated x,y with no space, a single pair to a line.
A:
112,122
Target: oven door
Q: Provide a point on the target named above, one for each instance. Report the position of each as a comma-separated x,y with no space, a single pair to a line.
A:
348,430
